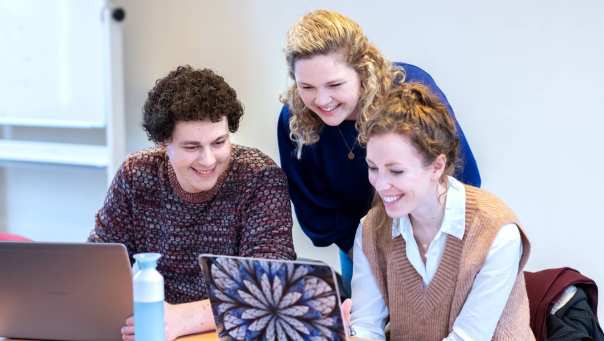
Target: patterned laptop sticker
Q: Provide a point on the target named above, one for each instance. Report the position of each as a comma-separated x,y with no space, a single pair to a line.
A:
254,299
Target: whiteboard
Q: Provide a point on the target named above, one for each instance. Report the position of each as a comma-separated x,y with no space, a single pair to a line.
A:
53,68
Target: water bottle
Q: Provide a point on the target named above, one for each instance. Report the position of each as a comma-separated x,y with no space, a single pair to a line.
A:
148,293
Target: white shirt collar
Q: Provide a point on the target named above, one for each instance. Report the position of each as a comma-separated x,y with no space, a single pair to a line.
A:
454,221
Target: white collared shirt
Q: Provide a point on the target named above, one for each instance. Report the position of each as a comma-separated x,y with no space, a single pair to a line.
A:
490,291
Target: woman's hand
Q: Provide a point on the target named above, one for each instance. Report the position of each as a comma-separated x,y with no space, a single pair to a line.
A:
346,307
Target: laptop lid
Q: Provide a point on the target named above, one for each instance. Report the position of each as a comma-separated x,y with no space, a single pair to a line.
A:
265,299
64,291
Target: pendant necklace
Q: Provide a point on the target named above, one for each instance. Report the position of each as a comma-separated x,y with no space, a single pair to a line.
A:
350,149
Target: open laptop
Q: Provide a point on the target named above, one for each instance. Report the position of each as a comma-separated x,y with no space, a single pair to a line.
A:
261,299
64,291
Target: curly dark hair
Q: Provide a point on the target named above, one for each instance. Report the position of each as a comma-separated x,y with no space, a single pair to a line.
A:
187,94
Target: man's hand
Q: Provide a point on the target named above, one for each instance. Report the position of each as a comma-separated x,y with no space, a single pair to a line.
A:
128,330
179,319
170,326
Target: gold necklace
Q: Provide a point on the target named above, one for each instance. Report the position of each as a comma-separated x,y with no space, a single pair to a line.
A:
350,149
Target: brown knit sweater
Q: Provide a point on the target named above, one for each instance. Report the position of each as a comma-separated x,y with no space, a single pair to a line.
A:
427,313
247,213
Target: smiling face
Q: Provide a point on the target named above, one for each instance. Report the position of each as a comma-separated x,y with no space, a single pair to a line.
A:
329,87
199,152
400,176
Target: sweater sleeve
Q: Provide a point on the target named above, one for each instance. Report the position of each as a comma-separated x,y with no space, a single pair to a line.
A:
114,220
267,228
468,173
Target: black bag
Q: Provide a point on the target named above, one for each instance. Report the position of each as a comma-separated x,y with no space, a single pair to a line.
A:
574,321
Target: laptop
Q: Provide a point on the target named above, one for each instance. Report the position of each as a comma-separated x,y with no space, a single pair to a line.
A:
64,291
261,299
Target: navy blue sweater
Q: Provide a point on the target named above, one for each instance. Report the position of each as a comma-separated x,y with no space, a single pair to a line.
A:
331,193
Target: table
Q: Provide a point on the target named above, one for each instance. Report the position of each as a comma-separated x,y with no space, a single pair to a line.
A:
214,337
197,337
200,337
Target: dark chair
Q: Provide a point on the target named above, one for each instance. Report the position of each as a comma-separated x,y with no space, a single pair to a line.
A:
561,314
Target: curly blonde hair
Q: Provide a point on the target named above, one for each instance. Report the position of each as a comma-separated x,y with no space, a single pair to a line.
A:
412,110
323,32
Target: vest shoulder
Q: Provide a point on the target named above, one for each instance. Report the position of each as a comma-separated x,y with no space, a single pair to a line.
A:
485,215
370,219
483,202
375,225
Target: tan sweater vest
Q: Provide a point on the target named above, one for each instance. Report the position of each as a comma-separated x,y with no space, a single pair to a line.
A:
421,313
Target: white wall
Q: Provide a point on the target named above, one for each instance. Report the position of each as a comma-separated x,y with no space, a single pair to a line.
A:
523,77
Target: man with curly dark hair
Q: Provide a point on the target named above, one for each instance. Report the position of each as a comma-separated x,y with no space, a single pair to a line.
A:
193,193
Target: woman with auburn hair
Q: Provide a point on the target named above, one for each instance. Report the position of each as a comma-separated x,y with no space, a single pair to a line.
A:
340,79
441,260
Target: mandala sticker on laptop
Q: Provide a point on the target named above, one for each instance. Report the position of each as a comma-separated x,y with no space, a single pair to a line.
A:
255,299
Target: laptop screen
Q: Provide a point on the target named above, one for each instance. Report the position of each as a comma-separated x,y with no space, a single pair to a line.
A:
64,291
272,299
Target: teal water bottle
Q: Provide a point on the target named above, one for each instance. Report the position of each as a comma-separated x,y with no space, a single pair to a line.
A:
148,293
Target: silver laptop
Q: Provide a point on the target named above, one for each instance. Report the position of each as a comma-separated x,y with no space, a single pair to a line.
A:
64,291
260,299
